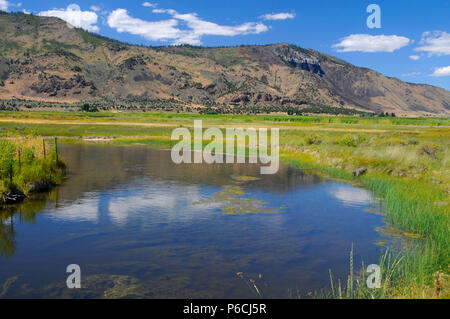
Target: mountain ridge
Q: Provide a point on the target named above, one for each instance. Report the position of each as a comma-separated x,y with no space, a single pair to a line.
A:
44,60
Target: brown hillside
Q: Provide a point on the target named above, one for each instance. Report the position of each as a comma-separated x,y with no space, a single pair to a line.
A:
43,59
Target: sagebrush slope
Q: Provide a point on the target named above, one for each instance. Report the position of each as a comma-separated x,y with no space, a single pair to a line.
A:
43,59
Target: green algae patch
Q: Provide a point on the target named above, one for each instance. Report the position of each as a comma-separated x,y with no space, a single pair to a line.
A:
233,203
404,236
375,211
99,286
242,178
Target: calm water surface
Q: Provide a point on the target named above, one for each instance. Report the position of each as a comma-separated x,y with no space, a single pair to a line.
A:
140,226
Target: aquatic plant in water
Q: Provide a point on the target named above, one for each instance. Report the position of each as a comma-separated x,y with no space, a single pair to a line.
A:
233,202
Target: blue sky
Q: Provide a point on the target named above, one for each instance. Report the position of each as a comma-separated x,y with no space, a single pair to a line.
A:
413,43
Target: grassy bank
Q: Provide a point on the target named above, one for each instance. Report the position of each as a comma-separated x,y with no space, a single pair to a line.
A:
29,164
419,210
407,163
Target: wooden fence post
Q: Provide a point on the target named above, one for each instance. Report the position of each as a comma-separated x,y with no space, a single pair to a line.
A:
56,147
20,162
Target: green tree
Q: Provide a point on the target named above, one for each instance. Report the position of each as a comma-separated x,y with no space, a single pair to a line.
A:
85,107
88,108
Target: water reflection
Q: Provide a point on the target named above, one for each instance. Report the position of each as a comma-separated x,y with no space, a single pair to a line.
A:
173,187
25,213
352,196
7,236
173,199
111,166
83,209
141,226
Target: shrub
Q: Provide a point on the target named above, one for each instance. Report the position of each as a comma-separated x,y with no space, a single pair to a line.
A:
313,140
349,140
429,148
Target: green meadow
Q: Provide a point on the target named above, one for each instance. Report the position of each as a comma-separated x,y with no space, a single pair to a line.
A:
407,162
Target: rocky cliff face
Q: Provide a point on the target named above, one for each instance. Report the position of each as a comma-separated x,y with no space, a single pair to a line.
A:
298,59
41,59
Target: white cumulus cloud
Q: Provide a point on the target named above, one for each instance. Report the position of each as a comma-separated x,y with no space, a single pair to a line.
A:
414,57
435,43
159,30
4,5
95,8
371,43
199,28
278,16
149,4
411,74
180,29
444,71
86,20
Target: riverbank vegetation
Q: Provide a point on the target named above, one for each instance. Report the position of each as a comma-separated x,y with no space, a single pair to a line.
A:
27,165
405,162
